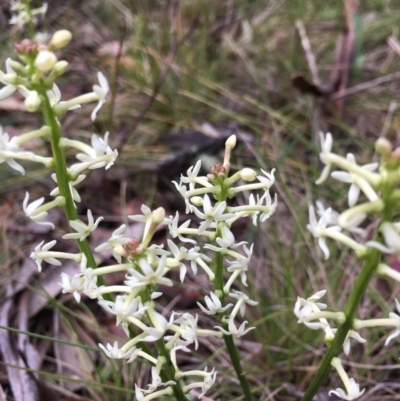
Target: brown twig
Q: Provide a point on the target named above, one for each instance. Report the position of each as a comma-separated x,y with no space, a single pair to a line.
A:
305,42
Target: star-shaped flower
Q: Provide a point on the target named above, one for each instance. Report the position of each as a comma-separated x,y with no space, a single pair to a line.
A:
101,91
326,147
82,230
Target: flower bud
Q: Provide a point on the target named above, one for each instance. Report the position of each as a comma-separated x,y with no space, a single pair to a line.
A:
60,67
45,60
383,146
60,39
18,67
248,174
158,216
12,79
197,200
32,101
231,142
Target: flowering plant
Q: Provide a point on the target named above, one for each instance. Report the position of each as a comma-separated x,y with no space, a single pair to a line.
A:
211,246
348,228
208,244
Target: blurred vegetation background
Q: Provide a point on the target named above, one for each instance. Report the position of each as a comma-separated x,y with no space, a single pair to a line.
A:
184,75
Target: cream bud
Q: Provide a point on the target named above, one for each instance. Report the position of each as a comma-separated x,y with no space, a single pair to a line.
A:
158,216
231,142
196,200
248,174
60,39
45,60
383,146
32,101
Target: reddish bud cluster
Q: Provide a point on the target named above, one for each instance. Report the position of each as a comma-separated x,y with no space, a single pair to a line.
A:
26,47
218,170
131,248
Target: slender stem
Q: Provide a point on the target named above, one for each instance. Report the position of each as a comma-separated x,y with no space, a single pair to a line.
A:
360,287
168,371
62,174
230,344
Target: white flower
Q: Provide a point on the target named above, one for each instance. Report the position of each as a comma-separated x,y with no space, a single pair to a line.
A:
101,91
7,80
214,305
83,230
269,181
192,178
40,254
8,150
305,307
175,231
396,318
209,380
75,194
32,212
117,239
352,388
188,328
241,264
148,275
243,299
326,147
211,214
135,309
227,240
332,219
391,236
22,17
185,254
182,189
98,156
156,381
233,330
351,334
355,180
269,207
113,351
319,228
263,207
54,95
353,391
73,285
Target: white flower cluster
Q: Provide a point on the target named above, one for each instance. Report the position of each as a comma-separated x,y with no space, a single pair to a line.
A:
20,77
378,188
146,265
311,313
21,16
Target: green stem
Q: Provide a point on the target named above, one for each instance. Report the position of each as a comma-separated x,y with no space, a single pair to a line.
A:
360,287
62,175
230,344
168,371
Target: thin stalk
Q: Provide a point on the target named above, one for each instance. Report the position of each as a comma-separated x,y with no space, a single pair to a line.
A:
61,170
229,343
168,371
62,175
360,287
